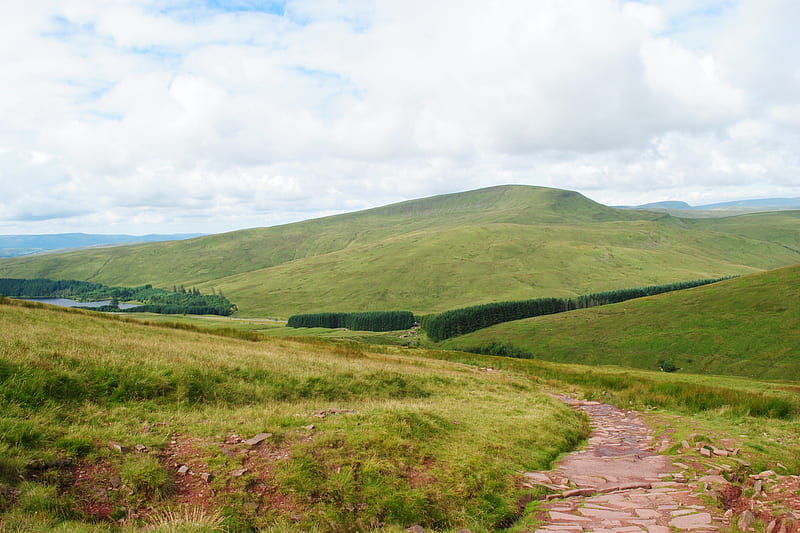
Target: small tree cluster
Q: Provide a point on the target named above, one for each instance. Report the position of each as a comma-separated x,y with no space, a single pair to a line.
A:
363,321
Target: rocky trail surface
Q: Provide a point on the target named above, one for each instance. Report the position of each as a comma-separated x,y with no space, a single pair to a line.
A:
619,483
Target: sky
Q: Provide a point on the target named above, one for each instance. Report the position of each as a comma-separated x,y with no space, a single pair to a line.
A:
146,116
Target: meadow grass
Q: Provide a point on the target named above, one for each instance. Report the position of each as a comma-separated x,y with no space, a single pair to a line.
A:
763,417
361,438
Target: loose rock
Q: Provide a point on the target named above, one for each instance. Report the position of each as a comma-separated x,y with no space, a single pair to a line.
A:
258,439
746,520
117,447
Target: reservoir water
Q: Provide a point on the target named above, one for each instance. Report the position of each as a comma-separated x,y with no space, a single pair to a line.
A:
68,302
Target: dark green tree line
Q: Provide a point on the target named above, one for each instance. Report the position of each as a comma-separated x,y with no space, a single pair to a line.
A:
153,300
363,321
465,320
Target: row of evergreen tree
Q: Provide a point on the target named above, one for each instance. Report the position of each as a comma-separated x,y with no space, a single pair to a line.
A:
364,321
153,300
468,319
46,288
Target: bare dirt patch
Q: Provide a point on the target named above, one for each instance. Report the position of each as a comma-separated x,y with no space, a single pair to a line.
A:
94,487
185,460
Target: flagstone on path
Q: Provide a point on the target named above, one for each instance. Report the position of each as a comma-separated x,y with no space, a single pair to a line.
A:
619,484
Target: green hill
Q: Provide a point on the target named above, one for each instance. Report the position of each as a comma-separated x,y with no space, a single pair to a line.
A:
747,326
433,254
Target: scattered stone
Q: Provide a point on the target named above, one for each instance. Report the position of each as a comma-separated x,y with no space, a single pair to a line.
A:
681,466
691,521
183,470
258,439
757,486
685,445
116,482
538,477
239,472
763,475
296,516
548,486
416,528
577,492
207,477
772,526
705,452
141,448
564,517
719,453
746,521
712,479
117,447
325,412
626,486
309,427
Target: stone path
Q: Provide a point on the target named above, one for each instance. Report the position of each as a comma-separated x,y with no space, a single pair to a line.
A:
619,484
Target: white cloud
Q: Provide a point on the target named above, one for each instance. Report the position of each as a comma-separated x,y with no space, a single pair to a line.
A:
166,116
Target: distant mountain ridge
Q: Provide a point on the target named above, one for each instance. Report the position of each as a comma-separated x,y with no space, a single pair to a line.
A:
763,204
19,245
509,242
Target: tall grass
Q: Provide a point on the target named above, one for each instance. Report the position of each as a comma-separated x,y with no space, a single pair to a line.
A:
359,437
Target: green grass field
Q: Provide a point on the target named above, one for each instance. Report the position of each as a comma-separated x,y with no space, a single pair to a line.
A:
434,254
747,326
360,438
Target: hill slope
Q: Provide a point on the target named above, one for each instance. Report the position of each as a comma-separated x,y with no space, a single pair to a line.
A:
500,243
748,326
354,439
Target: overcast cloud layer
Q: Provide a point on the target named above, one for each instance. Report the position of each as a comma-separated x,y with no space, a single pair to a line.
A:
141,116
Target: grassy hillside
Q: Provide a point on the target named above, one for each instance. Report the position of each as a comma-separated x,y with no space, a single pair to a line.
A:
429,255
357,437
109,425
748,326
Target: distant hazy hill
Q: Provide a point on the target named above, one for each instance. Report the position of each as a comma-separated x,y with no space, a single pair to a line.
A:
747,326
17,245
723,208
433,254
